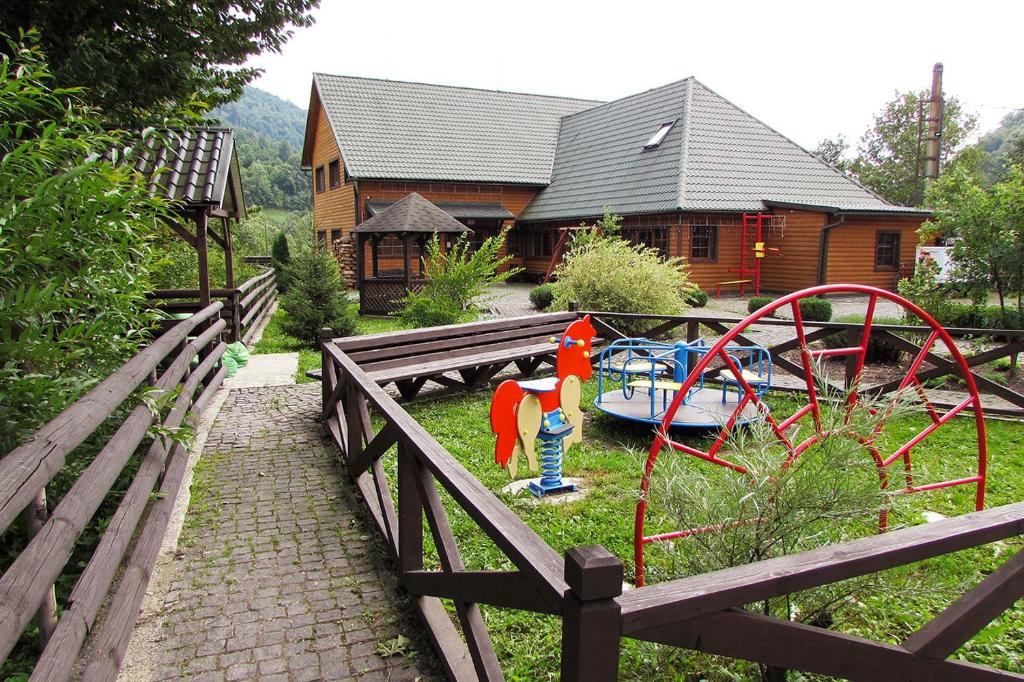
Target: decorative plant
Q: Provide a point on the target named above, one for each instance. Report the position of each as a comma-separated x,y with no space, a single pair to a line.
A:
456,280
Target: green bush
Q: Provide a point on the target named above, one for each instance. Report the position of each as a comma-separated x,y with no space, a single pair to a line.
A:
879,350
455,281
697,299
610,274
758,302
815,309
541,296
316,298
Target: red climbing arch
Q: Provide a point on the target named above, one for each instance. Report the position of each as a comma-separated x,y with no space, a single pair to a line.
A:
781,427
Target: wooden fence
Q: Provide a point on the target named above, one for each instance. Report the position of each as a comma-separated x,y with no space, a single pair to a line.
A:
1012,343
27,586
584,588
244,307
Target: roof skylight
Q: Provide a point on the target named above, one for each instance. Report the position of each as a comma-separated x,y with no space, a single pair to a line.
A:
660,135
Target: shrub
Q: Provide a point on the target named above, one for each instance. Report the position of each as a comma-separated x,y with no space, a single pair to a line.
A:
316,298
815,309
697,299
456,280
610,274
758,302
879,350
541,296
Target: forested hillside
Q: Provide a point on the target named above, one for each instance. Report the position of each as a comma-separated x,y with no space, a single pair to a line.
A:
269,132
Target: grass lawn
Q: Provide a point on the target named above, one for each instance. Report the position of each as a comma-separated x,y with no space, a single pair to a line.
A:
275,340
610,461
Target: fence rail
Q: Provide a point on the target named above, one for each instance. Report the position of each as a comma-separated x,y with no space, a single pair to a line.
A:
584,588
27,586
1012,343
244,307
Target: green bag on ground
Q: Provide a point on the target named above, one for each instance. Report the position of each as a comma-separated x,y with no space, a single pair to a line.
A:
230,363
239,353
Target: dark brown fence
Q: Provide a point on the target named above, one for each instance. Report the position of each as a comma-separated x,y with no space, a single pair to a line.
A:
27,586
244,307
1011,343
584,587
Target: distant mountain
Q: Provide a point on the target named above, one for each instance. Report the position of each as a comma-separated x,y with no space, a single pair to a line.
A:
268,115
999,147
269,132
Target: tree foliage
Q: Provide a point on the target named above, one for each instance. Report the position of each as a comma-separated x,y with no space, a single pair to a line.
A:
316,297
887,155
75,247
833,152
986,225
140,58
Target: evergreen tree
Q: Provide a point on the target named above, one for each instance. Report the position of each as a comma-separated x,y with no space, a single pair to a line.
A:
316,298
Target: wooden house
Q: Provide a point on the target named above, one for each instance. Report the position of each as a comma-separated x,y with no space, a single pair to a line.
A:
692,175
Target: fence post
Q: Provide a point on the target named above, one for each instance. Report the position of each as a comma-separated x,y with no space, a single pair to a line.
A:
574,306
591,618
236,316
326,334
852,339
36,515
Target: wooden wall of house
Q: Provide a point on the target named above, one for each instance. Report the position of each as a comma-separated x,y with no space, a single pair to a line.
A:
851,249
334,208
796,267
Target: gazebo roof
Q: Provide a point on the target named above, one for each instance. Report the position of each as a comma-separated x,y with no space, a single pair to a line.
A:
411,213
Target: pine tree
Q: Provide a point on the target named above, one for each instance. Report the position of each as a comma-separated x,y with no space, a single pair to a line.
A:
316,298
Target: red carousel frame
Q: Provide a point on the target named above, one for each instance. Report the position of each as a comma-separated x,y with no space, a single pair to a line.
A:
794,450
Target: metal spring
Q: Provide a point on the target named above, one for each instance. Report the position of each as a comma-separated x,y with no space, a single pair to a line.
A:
551,462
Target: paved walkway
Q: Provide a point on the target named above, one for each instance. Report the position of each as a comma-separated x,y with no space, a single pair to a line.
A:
277,577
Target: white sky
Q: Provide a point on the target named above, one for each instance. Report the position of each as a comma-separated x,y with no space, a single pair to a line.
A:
809,69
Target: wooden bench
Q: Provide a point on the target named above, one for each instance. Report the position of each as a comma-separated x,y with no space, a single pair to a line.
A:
735,282
476,351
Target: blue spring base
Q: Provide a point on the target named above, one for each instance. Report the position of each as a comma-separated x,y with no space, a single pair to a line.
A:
538,490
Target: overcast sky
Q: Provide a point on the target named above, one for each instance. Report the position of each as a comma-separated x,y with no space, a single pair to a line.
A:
811,70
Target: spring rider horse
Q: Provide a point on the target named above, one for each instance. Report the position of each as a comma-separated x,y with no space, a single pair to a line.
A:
548,409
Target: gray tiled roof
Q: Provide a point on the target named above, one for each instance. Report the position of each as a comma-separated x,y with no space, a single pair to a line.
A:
411,213
395,130
717,157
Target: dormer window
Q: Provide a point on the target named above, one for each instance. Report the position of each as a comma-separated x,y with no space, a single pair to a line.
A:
660,135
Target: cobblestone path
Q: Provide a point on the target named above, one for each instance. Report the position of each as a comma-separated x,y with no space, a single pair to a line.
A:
277,577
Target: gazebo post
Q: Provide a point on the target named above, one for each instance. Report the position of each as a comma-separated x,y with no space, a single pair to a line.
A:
361,267
229,276
405,256
374,243
202,223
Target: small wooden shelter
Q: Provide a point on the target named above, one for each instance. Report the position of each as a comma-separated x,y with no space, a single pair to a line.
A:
198,169
410,222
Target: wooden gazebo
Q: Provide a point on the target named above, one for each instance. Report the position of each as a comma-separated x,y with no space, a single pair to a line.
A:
391,236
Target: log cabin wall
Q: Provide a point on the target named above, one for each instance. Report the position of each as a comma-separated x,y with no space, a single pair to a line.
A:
852,249
796,267
333,206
